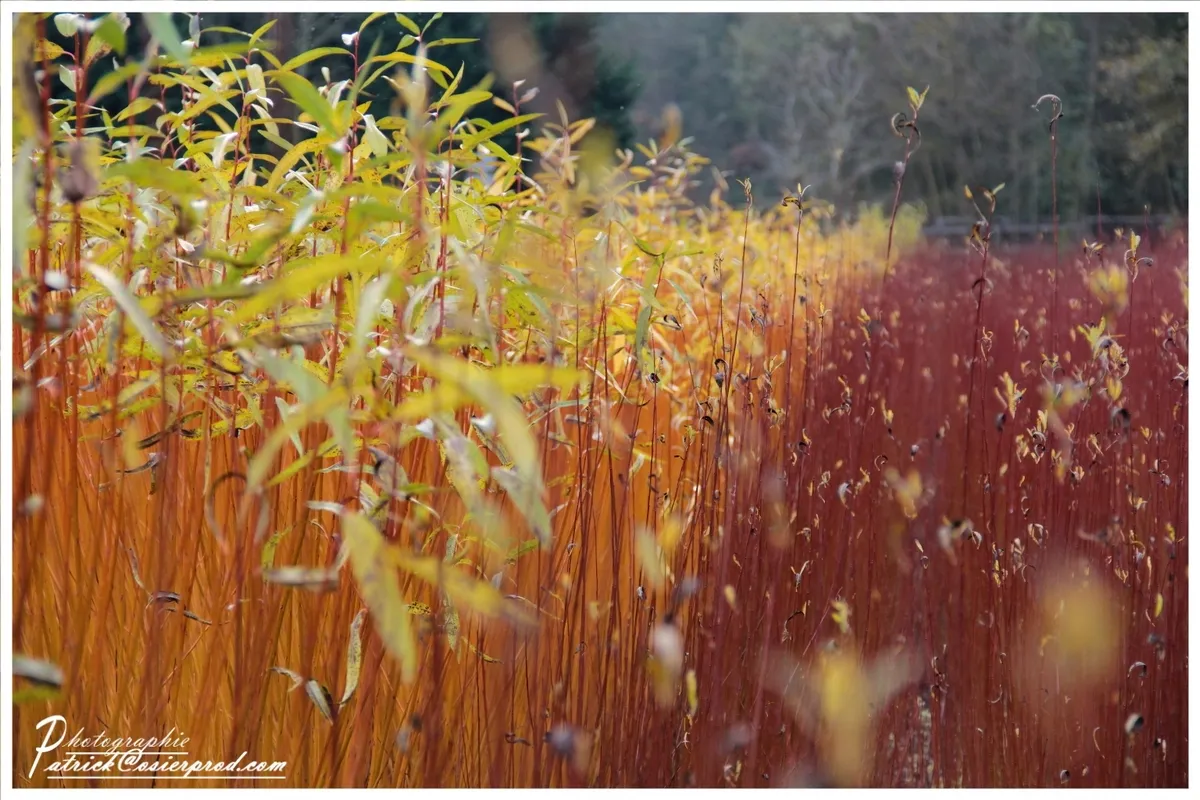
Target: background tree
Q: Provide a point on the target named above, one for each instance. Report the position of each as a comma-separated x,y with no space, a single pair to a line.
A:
810,96
785,98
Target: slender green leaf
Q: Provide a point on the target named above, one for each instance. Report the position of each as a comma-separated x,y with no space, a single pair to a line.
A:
312,55
432,20
112,33
449,41
129,305
151,174
162,27
469,143
376,15
304,276
262,31
111,81
526,497
334,399
408,58
267,560
66,74
408,23
372,567
308,99
136,107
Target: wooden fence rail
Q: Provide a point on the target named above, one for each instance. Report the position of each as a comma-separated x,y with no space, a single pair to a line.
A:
1004,228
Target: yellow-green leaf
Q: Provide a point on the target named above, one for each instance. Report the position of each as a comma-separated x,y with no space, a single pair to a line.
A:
151,174
407,58
136,107
374,137
308,99
478,596
484,657
408,23
112,33
332,400
492,390
526,496
289,160
527,546
132,309
372,567
302,277
376,15
268,551
312,55
164,32
492,131
111,81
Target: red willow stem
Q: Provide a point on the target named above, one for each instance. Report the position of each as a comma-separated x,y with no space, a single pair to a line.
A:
25,485
1054,223
872,368
975,357
887,258
71,356
791,338
887,264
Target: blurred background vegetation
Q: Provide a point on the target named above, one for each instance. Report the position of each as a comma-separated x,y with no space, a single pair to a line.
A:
808,97
788,98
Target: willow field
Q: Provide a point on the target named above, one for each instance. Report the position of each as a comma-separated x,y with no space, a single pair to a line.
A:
361,441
